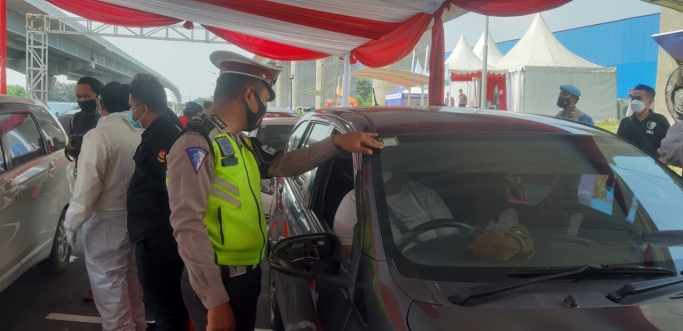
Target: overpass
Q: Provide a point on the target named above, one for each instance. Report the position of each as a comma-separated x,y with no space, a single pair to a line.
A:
71,55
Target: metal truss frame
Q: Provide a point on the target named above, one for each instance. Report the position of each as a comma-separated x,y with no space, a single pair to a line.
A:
39,26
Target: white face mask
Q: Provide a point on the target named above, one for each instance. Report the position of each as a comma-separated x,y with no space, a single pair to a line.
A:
637,106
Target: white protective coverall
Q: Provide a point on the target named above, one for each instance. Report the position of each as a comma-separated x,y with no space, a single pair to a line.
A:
105,167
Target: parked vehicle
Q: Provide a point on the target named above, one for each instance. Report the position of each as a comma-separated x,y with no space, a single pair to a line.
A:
35,189
593,244
281,112
274,132
59,108
65,119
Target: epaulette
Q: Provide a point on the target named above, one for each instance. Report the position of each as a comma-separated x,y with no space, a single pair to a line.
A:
201,124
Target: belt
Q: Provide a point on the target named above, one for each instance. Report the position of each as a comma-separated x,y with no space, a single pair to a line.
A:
235,271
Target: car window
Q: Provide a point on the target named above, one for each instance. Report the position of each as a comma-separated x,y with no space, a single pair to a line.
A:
317,133
295,137
583,200
22,136
275,136
54,134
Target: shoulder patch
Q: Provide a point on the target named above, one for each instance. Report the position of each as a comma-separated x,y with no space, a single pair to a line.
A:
197,156
268,149
162,156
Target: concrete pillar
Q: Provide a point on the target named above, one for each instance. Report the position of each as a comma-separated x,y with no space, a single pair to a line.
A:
51,80
319,83
670,20
280,91
293,85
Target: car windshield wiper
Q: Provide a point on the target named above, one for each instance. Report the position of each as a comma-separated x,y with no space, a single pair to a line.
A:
642,287
490,289
597,269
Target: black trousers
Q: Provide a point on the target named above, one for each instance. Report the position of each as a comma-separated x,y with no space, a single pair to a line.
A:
160,269
243,290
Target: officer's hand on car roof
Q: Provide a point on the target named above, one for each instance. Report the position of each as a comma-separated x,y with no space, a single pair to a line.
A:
357,142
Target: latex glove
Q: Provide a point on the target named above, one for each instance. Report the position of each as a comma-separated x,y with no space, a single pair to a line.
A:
71,238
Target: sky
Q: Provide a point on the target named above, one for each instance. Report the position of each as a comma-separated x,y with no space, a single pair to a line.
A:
187,64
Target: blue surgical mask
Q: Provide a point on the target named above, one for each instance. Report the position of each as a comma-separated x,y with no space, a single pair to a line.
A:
136,124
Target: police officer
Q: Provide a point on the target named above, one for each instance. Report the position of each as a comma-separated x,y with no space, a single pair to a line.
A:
567,100
149,227
214,174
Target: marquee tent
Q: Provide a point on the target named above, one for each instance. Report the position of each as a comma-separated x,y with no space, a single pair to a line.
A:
374,32
466,68
539,64
494,53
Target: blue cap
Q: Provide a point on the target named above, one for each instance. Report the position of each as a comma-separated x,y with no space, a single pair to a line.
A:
571,90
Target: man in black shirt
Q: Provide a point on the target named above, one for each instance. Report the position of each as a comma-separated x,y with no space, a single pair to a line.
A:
159,264
644,128
87,90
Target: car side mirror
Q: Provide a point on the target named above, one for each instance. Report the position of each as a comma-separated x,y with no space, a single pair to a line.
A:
310,256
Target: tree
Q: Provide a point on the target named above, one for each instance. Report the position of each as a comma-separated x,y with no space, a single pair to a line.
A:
364,92
63,92
16,90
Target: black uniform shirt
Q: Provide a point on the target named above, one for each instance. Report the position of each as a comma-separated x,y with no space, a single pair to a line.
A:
646,134
148,210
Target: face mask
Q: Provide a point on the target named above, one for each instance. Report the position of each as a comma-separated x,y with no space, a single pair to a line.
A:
88,106
386,176
637,106
562,102
135,123
254,119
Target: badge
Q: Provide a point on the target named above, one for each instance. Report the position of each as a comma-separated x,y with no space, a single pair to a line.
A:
651,125
268,150
197,156
225,146
162,156
229,161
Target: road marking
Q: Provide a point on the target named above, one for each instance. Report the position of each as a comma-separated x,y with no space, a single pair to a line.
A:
87,319
74,318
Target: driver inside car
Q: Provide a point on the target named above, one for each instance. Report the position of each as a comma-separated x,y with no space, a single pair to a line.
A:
410,204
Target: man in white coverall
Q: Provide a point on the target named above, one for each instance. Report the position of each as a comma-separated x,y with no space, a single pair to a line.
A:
99,206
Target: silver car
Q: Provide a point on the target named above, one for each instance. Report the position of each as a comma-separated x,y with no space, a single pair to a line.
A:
35,189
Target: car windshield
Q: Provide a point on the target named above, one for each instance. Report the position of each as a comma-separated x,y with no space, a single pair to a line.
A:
571,200
275,136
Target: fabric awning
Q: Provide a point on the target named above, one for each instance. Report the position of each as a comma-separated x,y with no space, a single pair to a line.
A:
374,32
672,43
395,76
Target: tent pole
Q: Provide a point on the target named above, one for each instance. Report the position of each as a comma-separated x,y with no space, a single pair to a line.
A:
346,81
485,60
412,62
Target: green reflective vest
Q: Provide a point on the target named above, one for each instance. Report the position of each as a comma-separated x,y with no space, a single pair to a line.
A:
234,213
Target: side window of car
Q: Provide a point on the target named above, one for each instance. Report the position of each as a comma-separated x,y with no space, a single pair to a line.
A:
23,138
54,134
317,133
295,137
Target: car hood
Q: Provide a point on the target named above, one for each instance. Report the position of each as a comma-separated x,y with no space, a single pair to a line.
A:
524,312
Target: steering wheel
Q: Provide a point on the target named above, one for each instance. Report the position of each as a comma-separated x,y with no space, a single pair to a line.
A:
412,235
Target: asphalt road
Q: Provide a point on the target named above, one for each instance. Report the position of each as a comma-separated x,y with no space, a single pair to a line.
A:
26,304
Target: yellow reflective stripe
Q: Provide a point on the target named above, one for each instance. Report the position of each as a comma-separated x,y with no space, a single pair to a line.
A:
226,197
226,185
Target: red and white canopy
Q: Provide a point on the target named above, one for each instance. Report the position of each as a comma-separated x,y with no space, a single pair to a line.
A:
374,32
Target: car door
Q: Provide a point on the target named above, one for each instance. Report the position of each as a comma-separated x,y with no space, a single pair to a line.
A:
25,153
55,192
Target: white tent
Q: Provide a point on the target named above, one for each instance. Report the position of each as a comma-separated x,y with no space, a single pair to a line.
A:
494,53
463,61
539,64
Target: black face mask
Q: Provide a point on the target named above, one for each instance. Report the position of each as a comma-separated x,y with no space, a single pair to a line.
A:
88,106
562,102
253,119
